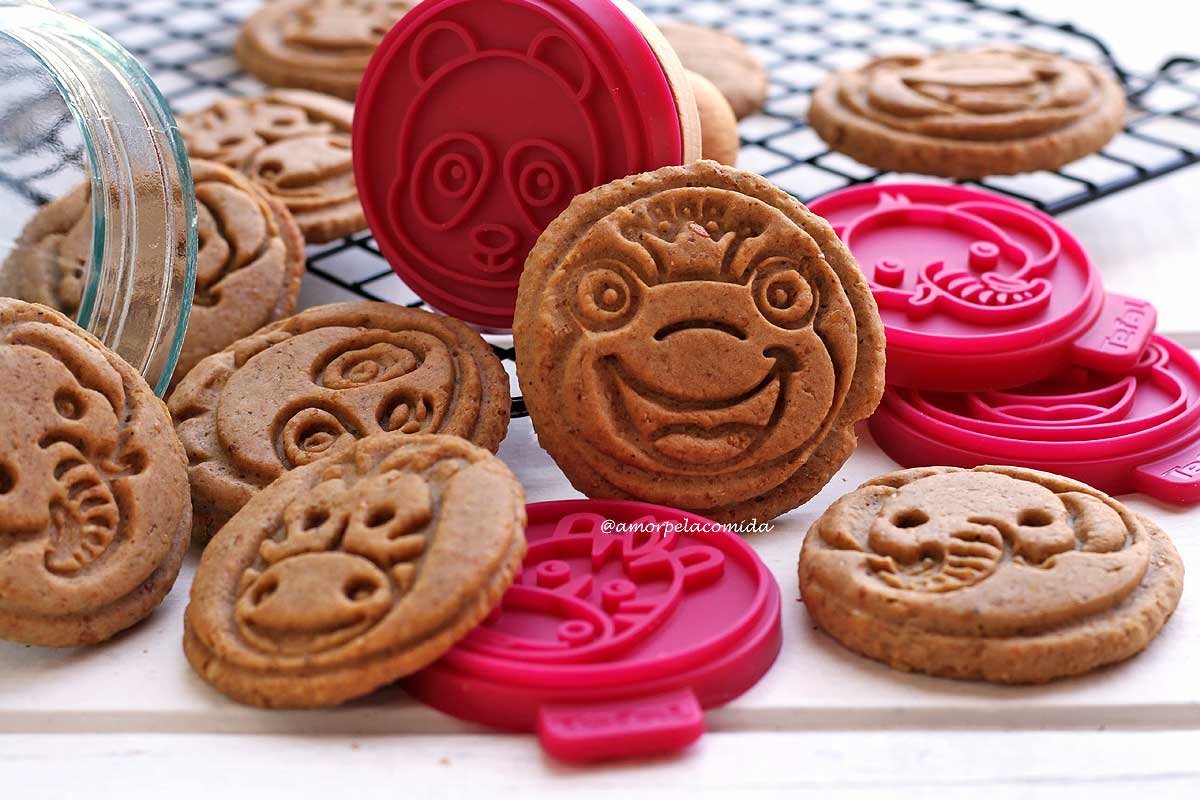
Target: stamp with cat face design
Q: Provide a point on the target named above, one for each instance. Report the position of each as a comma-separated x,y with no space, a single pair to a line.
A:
695,337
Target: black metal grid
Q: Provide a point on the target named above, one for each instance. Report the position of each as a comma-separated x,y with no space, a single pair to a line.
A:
186,46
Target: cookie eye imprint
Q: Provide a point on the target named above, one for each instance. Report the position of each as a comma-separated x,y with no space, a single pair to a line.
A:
606,298
783,296
311,434
377,363
449,179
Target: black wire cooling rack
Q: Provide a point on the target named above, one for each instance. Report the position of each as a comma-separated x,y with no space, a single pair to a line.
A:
186,45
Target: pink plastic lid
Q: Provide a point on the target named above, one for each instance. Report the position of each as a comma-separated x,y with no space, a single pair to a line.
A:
1137,432
979,292
476,123
611,640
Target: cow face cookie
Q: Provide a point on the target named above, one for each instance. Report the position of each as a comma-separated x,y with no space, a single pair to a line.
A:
297,389
996,573
323,45
352,572
296,144
94,512
695,337
969,113
723,59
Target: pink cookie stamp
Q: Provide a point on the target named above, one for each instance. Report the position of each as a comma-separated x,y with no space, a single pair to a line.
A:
619,630
1132,432
478,121
979,292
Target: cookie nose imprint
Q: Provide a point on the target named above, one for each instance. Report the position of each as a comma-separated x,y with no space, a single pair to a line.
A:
494,245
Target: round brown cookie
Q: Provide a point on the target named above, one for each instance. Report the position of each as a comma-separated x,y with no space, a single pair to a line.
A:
288,394
996,573
48,263
696,337
723,59
718,125
347,574
323,45
94,513
249,265
293,142
969,113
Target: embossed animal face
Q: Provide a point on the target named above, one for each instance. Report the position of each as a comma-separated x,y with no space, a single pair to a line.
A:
476,195
343,26
699,334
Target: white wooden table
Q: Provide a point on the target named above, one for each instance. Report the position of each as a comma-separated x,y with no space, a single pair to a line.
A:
114,720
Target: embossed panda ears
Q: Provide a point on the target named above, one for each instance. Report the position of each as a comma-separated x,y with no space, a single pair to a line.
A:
564,58
438,45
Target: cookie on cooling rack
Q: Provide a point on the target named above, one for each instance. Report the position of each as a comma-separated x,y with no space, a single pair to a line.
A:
323,45
997,573
969,113
695,337
296,390
296,144
94,512
718,126
723,59
352,572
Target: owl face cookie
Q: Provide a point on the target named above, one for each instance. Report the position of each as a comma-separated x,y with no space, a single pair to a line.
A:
296,145
996,573
94,512
969,113
354,571
297,390
694,337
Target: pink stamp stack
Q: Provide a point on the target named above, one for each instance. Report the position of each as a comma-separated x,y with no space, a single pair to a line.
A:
626,621
1004,348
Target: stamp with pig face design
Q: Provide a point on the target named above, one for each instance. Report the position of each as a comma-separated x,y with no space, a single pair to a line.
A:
354,571
996,573
699,340
478,122
93,496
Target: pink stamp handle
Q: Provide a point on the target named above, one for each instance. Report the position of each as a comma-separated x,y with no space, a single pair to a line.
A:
652,725
1118,337
1174,478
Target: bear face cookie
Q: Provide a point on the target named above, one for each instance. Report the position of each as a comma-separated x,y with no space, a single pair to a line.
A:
996,573
695,337
296,390
354,571
94,511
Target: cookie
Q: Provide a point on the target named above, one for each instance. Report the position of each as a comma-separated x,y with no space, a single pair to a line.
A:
347,574
296,144
695,337
718,125
969,113
723,59
292,392
249,263
49,261
323,45
997,573
94,512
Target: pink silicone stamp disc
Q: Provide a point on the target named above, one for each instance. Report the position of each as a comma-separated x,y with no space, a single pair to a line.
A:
1132,432
979,292
478,121
610,642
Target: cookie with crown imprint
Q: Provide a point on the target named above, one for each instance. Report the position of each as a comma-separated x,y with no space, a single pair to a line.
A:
969,113
296,145
94,511
695,337
724,60
323,45
996,573
351,572
299,389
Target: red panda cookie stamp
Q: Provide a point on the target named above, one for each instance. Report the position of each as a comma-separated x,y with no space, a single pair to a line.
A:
997,573
349,573
695,337
94,511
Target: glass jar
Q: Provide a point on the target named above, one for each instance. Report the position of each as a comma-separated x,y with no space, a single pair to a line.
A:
80,119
